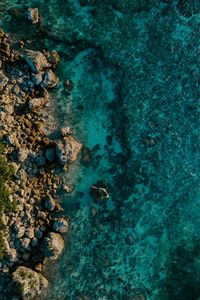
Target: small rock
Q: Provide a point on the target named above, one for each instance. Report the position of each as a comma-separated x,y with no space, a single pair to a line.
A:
32,15
99,193
50,155
130,240
3,80
60,225
49,203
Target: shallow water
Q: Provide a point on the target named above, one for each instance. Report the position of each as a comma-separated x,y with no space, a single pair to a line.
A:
135,104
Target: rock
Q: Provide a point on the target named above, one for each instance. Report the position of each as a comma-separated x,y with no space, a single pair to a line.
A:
36,60
37,78
52,57
65,131
25,242
3,80
22,155
60,225
50,80
37,103
40,160
32,15
28,283
10,253
130,240
52,245
49,203
99,193
67,150
67,188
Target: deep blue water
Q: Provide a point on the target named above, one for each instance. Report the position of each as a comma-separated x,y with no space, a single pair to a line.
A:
135,103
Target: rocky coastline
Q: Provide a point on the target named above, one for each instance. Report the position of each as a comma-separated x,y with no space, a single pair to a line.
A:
38,154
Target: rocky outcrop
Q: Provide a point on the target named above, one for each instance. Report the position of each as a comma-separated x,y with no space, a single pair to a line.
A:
67,150
36,60
28,283
52,245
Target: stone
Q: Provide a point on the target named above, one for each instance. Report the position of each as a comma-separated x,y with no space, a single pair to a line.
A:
67,150
99,193
67,188
3,80
52,57
40,160
36,60
32,15
50,80
27,283
37,78
25,242
65,131
10,253
37,103
60,225
52,245
49,203
20,232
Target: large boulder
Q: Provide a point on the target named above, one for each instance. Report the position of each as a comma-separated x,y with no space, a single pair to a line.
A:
52,245
27,283
36,60
67,150
32,15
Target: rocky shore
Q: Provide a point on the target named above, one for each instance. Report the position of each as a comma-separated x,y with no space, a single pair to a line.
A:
33,231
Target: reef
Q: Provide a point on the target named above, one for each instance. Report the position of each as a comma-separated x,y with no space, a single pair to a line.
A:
32,164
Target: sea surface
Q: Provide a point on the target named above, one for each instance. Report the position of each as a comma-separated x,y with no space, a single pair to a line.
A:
135,103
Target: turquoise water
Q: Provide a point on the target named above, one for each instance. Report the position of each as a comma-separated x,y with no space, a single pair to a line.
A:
135,104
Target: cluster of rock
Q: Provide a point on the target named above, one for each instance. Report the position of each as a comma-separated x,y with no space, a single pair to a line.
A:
33,233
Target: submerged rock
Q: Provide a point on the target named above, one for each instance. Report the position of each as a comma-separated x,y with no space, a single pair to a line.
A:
32,15
28,283
52,245
99,192
36,60
67,150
